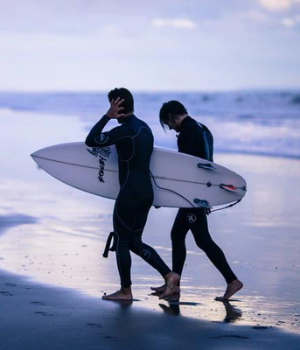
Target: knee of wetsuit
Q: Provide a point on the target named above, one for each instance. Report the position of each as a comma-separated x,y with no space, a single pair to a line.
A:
141,251
136,245
205,244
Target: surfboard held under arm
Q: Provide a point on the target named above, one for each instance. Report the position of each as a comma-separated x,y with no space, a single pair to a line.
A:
178,180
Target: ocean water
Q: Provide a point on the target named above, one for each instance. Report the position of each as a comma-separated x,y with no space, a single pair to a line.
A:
247,122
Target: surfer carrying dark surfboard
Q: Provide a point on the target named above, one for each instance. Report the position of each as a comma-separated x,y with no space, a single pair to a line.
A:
134,143
195,139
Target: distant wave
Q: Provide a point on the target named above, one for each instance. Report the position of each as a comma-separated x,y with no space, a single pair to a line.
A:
265,123
258,153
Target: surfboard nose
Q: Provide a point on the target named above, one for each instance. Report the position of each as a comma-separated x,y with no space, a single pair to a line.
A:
35,155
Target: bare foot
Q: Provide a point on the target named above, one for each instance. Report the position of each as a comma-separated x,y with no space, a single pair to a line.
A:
162,288
172,280
232,288
122,294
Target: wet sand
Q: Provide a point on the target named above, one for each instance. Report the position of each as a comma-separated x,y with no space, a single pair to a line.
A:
36,316
53,274
42,317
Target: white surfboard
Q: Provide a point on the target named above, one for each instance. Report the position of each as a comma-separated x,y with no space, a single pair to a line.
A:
179,180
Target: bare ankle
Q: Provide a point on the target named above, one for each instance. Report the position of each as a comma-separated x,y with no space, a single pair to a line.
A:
236,281
126,291
172,279
170,275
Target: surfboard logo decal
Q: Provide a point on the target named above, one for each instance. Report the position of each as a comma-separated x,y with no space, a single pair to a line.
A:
100,151
103,154
191,218
102,168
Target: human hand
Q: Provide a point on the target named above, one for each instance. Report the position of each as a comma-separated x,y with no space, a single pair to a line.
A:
115,110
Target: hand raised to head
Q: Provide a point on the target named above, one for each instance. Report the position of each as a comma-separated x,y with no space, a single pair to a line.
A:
116,110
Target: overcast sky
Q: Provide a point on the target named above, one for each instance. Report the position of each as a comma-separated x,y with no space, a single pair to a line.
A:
149,45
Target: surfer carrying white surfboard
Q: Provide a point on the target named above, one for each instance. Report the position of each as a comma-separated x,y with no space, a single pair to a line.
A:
194,139
134,143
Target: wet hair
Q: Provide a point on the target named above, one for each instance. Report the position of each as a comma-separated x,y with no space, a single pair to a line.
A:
170,111
125,94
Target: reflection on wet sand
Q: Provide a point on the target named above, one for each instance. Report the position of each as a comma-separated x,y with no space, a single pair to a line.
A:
257,312
232,313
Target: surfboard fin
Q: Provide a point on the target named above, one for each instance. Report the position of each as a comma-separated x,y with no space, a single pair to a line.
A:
206,166
203,203
108,248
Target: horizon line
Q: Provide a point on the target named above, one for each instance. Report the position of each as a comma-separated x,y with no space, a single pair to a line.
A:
49,91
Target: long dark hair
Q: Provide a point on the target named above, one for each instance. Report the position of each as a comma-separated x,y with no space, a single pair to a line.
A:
170,111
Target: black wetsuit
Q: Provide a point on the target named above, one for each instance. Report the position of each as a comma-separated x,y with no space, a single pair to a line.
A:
195,139
134,144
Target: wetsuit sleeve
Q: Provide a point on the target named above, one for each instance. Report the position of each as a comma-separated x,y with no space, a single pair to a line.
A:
97,138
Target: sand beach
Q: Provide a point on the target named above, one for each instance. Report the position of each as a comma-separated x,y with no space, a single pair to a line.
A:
52,274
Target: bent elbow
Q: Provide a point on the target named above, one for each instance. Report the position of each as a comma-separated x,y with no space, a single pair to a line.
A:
89,141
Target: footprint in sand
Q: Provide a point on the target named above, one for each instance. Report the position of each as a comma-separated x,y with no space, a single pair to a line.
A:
96,325
261,328
111,337
230,336
42,313
37,303
6,293
10,285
